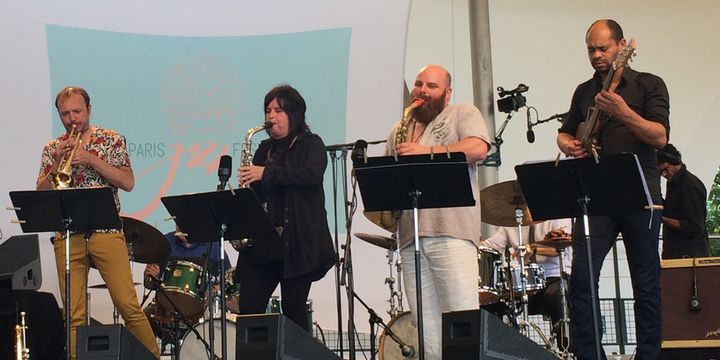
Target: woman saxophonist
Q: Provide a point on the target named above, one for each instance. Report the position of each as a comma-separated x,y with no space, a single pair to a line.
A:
287,172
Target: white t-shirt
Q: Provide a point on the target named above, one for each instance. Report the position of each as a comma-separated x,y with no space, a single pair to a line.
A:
508,237
454,123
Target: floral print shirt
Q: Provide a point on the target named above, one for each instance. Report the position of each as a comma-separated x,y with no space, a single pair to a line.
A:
108,145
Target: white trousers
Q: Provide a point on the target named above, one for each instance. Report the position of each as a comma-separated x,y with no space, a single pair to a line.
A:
449,278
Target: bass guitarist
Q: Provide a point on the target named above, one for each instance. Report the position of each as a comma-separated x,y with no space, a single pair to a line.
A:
634,118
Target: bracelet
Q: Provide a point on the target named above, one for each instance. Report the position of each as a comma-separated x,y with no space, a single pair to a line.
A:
432,154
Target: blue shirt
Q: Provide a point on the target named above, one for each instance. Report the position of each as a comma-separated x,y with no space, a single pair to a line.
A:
193,252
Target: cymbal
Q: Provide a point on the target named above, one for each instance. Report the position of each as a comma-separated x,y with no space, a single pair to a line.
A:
558,244
383,219
378,240
149,245
104,286
499,201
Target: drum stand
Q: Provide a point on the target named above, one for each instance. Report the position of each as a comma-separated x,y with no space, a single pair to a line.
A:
525,324
396,296
565,321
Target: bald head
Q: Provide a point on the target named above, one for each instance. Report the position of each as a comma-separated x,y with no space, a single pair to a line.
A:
438,72
616,32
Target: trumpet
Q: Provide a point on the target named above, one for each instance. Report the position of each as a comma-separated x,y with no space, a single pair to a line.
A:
62,178
21,350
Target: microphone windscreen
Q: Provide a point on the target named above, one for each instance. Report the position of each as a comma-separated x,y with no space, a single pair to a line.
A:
530,135
225,166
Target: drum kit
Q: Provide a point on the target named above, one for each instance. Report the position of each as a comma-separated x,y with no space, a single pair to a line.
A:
179,311
502,205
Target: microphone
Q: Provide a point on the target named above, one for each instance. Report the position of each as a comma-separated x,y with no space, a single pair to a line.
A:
529,134
359,152
407,350
521,88
224,171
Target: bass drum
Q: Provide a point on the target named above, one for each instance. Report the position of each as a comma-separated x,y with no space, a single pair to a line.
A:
403,326
193,348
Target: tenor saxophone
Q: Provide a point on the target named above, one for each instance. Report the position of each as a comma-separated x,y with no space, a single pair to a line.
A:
246,160
388,219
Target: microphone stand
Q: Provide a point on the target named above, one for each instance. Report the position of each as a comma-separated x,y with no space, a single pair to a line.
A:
493,160
338,297
406,349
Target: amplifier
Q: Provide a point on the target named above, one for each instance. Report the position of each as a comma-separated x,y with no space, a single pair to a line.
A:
690,302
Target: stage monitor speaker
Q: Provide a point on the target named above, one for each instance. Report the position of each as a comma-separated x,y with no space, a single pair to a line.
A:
109,342
477,334
690,317
273,336
20,263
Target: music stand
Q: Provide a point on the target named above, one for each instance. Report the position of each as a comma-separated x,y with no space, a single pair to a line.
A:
582,188
236,214
414,182
78,210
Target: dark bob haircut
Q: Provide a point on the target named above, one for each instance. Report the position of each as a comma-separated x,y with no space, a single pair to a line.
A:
292,103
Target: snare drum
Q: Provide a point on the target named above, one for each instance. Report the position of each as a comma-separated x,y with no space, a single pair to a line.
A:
490,277
232,292
403,326
535,277
181,284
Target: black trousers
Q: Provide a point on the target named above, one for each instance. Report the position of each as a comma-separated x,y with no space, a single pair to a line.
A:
640,236
258,282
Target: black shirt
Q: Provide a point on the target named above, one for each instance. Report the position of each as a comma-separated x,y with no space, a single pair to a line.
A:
647,95
685,201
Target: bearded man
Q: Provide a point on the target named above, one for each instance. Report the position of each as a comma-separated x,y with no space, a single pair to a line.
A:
448,236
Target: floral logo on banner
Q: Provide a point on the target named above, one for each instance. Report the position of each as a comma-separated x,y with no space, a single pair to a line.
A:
202,96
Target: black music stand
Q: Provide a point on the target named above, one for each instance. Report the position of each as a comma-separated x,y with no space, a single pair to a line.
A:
582,188
415,182
237,214
78,210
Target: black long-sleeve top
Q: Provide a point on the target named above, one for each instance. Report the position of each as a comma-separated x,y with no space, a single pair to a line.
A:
685,201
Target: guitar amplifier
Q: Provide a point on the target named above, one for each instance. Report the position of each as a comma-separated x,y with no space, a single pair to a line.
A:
690,302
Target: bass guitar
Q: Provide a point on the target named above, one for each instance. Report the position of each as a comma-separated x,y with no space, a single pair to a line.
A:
588,129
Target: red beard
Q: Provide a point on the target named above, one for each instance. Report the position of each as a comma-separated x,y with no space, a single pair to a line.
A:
430,110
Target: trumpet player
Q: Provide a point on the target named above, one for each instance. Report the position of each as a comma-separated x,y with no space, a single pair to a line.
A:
287,173
91,156
448,236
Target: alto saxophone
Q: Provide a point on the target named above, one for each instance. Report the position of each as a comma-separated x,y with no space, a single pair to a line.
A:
21,350
246,160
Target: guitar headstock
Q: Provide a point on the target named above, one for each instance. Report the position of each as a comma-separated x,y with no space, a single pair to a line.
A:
625,55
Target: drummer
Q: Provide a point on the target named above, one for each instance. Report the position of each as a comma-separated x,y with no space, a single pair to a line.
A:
181,249
546,301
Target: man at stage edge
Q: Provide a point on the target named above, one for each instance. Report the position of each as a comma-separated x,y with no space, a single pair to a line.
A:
637,122
448,236
100,159
684,230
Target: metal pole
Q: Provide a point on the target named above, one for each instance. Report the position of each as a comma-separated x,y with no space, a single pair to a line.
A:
481,56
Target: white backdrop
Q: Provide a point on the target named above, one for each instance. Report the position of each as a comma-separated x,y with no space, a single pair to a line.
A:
539,43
